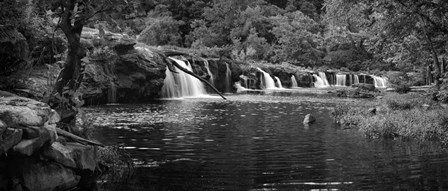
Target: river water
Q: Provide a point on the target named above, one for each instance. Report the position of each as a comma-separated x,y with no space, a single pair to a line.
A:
259,143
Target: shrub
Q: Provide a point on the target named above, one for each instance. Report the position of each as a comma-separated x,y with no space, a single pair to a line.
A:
404,117
400,81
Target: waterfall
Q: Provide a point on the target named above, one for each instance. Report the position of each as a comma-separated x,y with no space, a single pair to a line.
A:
341,79
239,88
319,83
112,93
267,79
293,82
181,84
356,79
228,78
212,78
324,78
379,82
279,83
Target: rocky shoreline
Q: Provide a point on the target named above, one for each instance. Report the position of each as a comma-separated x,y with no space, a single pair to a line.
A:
34,156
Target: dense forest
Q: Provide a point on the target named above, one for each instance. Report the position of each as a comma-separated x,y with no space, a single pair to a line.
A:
347,35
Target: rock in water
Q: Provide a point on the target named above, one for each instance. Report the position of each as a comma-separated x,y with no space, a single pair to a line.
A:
309,119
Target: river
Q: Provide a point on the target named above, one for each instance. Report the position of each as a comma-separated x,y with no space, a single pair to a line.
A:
258,142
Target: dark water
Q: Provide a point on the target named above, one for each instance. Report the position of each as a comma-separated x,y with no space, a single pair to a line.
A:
260,143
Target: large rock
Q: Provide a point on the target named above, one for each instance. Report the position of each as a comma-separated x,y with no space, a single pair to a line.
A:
20,111
72,155
9,138
37,137
309,119
39,175
131,73
60,154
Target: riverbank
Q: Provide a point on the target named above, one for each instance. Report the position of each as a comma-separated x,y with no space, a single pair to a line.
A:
410,116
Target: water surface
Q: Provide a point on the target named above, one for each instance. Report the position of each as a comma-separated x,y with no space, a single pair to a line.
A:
259,143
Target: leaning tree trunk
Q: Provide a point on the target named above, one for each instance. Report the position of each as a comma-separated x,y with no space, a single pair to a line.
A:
69,79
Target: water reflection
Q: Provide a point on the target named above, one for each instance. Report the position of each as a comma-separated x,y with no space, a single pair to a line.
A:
259,144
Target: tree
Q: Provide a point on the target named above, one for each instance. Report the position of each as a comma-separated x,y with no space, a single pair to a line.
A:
298,38
162,31
72,16
387,23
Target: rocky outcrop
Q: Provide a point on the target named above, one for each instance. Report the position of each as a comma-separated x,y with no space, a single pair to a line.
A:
32,155
360,90
125,71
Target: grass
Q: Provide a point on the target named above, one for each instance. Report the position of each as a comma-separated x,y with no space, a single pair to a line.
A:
406,116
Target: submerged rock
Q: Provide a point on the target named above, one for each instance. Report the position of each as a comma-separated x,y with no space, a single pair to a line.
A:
309,119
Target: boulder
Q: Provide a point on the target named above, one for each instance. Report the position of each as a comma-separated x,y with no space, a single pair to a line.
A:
60,154
42,136
9,138
84,156
309,119
39,175
72,155
366,87
20,111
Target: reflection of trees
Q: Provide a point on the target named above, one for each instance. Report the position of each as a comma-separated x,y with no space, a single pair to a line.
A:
384,165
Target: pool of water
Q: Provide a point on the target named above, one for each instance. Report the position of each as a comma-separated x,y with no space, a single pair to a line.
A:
259,143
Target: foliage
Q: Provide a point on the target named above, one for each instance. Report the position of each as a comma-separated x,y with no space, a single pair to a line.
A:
298,38
402,116
116,164
161,31
400,81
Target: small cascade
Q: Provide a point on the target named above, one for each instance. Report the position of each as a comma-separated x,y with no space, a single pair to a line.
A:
323,76
180,84
356,79
228,78
294,82
239,88
279,83
267,80
341,79
379,82
112,93
212,78
319,83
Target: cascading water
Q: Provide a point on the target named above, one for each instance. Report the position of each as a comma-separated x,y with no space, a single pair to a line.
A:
267,79
279,83
324,78
239,88
228,78
379,82
293,82
112,93
341,79
180,84
212,78
319,83
356,79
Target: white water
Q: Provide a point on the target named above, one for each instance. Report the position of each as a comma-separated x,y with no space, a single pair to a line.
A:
279,83
180,85
319,83
112,93
356,79
341,80
324,79
267,80
228,78
212,78
293,82
239,88
379,82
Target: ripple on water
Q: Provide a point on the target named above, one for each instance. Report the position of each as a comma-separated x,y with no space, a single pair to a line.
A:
259,143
